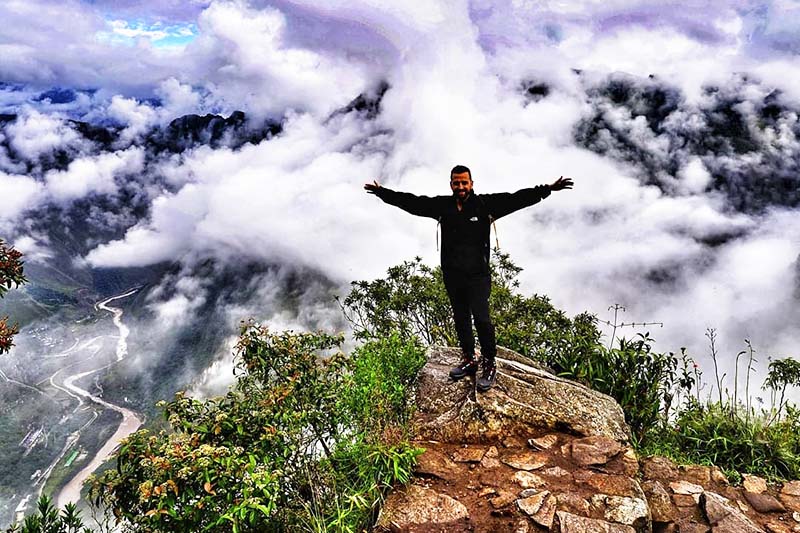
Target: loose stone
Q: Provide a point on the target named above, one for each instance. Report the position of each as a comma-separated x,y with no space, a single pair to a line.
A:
489,459
764,503
543,443
531,505
684,487
754,484
468,455
502,499
525,461
527,480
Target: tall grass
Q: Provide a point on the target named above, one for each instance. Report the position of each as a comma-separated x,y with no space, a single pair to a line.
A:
729,432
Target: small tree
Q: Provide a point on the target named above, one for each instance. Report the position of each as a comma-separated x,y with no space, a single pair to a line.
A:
412,300
48,520
10,276
782,373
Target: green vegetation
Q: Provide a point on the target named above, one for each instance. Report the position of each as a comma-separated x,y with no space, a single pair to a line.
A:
732,434
412,302
660,393
48,520
307,438
11,276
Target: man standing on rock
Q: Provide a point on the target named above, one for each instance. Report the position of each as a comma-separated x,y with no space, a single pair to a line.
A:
466,218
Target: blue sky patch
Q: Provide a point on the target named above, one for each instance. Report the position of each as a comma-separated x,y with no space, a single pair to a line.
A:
160,35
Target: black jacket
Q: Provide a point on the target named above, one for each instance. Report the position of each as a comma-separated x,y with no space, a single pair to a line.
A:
465,233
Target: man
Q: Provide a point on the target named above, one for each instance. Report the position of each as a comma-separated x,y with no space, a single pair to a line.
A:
466,218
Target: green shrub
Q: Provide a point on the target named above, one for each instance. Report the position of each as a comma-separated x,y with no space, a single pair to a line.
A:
641,380
382,373
364,471
412,300
293,443
732,434
47,519
782,374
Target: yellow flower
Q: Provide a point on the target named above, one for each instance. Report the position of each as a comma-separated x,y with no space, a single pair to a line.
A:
145,490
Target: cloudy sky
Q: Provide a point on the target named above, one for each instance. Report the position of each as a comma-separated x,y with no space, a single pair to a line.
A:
677,121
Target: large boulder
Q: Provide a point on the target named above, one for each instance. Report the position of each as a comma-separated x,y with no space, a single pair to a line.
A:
524,397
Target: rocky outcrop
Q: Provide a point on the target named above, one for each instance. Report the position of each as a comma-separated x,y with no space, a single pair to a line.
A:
525,397
523,488
189,131
700,498
539,453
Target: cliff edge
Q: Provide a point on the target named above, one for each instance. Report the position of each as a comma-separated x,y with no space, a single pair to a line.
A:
541,453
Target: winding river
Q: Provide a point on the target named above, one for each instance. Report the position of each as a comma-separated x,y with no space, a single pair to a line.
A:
130,421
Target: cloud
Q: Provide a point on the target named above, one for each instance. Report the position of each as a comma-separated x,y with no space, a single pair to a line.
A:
166,238
269,191
136,116
34,135
248,62
178,98
19,193
238,54
93,175
188,295
33,248
160,10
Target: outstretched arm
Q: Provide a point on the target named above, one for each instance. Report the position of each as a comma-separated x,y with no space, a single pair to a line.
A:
502,204
423,206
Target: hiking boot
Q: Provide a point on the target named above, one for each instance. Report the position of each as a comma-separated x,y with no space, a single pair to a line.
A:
467,367
488,376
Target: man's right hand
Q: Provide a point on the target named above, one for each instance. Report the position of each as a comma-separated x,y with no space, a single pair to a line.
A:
561,183
373,187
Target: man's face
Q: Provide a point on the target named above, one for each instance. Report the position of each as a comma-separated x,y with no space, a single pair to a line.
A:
461,185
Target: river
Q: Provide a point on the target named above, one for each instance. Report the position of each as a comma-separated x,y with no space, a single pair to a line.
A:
130,421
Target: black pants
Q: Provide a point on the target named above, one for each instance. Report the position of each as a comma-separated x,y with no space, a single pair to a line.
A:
469,297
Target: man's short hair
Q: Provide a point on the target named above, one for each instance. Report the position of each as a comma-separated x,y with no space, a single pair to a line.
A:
460,169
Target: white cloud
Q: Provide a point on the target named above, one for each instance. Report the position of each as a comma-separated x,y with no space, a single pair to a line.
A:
180,307
19,193
250,65
177,98
33,134
289,198
34,248
136,116
694,176
96,174
167,238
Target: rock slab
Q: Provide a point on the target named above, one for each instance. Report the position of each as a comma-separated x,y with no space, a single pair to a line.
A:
524,397
723,517
415,506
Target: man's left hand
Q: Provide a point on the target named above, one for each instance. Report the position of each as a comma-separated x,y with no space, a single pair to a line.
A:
561,183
